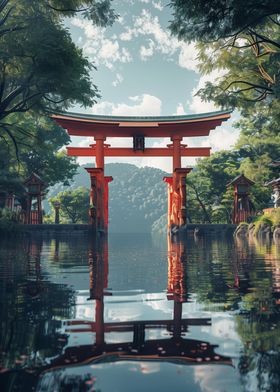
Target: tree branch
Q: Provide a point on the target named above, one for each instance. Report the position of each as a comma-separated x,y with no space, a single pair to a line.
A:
256,86
265,39
67,9
11,136
274,21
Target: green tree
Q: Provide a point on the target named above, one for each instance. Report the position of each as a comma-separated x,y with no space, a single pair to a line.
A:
259,144
198,206
41,69
208,198
74,204
40,152
212,20
241,41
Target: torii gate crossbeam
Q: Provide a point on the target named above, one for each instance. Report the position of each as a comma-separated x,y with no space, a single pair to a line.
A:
129,152
139,128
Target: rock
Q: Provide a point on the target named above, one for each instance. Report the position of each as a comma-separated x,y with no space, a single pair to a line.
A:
251,229
276,234
241,230
264,230
198,232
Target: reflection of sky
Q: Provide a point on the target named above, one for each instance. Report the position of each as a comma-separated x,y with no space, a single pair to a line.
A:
155,306
157,376
216,379
138,286
139,292
130,260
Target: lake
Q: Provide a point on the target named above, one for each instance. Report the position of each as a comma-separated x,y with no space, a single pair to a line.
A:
138,313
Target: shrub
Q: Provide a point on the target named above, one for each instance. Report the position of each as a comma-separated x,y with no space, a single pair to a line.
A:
9,220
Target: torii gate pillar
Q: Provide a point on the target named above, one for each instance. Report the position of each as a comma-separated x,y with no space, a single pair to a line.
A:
177,198
99,196
177,187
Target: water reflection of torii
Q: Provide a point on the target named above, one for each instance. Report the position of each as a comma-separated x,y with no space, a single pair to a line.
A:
173,349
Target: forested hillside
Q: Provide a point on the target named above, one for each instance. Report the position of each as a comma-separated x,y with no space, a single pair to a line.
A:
137,196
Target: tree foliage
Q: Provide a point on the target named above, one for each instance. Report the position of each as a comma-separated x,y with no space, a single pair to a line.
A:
240,44
212,20
239,40
39,152
99,12
74,205
209,200
41,69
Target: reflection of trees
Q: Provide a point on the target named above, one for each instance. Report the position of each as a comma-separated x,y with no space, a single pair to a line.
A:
259,319
64,382
245,276
216,272
30,306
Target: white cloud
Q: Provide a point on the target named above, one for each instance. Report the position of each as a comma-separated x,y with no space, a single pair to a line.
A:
146,52
118,80
180,110
160,40
102,108
197,105
86,142
158,5
127,35
188,56
144,105
99,48
221,138
146,24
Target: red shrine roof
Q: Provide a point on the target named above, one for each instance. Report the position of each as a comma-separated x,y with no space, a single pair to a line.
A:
78,124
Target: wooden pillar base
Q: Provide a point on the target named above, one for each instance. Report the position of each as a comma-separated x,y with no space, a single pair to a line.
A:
177,198
98,211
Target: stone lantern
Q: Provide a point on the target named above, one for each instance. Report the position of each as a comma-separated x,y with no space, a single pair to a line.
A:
56,206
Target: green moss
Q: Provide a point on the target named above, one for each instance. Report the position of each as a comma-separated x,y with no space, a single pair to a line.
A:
243,224
262,222
275,216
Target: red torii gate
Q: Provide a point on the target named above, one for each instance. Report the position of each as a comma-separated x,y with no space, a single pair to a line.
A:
139,128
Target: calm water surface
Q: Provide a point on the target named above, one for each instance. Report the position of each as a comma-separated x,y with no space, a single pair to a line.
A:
139,314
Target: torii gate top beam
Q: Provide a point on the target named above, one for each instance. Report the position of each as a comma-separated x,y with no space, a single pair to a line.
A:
159,126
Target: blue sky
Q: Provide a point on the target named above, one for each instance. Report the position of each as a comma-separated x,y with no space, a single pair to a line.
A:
143,70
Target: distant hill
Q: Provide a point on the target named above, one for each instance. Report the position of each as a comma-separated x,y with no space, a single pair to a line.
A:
137,196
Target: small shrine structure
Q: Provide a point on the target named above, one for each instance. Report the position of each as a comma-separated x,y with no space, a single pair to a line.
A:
242,205
34,188
138,129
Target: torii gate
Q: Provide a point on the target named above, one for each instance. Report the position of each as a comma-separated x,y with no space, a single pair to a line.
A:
100,127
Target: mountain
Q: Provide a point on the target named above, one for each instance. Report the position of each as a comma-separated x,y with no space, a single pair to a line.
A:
137,196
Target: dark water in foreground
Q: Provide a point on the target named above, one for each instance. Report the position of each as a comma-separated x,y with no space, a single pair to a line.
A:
139,314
